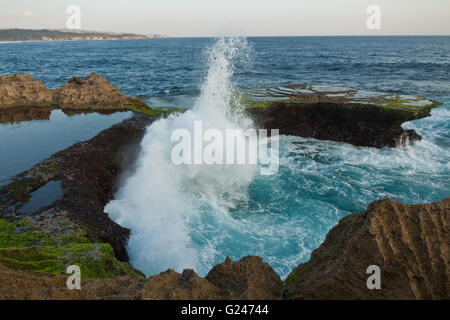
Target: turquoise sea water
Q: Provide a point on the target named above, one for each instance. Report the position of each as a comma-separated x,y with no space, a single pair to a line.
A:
281,217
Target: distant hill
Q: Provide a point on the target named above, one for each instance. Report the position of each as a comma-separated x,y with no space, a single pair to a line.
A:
65,34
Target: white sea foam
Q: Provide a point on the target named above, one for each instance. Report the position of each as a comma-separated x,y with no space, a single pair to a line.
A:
193,216
160,198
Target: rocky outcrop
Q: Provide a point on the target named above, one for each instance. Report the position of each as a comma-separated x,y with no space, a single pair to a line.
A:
259,281
409,243
21,90
87,172
93,92
338,114
26,285
247,279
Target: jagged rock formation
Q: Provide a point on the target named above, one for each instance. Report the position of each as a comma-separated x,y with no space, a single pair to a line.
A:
21,90
410,244
26,285
338,114
247,279
93,92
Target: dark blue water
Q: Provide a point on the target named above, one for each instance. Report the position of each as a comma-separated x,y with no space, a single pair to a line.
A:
286,216
409,65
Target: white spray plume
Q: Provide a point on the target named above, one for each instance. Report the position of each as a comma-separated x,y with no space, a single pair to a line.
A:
160,198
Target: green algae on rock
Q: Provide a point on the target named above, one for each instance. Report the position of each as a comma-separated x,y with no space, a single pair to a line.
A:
24,246
73,229
362,118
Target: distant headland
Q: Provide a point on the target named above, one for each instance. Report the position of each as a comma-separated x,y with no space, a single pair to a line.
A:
66,34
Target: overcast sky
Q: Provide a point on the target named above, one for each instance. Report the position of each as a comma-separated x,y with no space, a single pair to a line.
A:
233,17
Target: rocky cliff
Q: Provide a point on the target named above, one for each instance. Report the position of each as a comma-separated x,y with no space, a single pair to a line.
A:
409,243
247,279
93,92
340,114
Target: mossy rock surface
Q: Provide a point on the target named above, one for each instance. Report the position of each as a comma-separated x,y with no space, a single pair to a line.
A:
24,247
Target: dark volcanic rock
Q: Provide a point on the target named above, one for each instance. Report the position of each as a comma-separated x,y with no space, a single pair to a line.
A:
410,244
339,114
247,279
88,172
360,125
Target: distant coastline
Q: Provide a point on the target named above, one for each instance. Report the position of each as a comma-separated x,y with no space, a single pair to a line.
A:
15,35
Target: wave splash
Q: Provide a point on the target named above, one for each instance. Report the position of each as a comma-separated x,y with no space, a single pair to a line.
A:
160,200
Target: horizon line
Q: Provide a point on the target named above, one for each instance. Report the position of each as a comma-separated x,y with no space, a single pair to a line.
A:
219,35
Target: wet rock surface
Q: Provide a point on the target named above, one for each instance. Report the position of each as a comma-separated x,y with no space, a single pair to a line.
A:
410,244
338,114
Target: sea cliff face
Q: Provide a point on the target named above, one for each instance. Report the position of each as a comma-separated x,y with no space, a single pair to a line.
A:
361,118
409,243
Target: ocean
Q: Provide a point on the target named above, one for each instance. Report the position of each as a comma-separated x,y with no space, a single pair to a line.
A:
182,218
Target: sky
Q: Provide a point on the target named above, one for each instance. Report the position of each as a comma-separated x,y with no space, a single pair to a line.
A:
197,18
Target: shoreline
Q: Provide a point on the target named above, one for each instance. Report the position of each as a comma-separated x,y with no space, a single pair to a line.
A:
68,40
260,281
